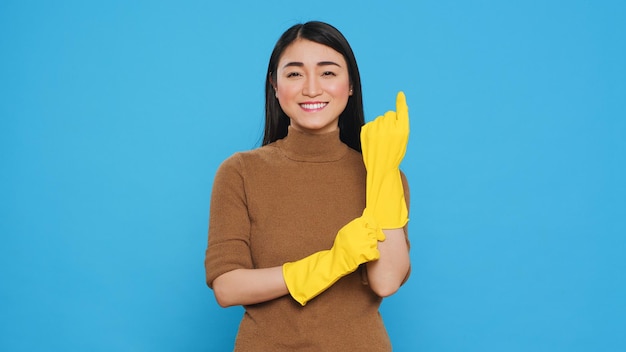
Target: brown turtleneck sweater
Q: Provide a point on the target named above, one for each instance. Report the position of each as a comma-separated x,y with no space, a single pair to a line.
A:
280,203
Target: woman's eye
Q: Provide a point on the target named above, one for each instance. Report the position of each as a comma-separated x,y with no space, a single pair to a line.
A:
328,73
293,74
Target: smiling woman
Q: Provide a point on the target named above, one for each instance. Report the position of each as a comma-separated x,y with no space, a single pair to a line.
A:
302,231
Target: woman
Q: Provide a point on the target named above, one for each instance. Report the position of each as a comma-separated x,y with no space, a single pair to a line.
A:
289,238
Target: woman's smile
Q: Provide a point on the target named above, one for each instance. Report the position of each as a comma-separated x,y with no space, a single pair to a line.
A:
313,106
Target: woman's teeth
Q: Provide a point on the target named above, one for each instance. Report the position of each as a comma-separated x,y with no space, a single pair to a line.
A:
313,106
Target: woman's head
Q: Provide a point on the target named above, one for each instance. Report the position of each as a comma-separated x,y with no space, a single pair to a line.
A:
339,65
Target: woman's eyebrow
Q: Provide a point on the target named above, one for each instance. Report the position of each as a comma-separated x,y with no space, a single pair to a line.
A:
321,63
328,63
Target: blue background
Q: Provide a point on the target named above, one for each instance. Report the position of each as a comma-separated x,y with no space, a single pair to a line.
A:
116,114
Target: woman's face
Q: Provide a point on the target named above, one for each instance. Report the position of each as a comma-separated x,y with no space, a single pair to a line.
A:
312,86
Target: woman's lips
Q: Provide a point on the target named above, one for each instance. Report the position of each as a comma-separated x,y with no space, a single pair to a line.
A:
313,106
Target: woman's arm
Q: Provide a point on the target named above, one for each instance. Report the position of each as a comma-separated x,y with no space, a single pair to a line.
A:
249,286
384,142
355,244
386,274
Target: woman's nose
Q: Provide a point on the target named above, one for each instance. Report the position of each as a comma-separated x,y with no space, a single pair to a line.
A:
312,87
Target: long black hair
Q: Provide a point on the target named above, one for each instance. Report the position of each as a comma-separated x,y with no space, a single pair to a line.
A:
351,119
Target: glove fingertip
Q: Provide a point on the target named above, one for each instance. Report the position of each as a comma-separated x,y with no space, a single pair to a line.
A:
401,99
401,106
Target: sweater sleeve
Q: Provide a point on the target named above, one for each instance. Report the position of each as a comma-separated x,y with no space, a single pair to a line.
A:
407,198
229,224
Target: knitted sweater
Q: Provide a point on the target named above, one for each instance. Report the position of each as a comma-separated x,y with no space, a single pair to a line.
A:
280,203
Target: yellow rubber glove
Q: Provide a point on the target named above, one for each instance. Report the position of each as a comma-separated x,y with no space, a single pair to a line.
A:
356,243
384,142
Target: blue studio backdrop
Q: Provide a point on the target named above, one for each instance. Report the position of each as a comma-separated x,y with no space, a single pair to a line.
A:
114,116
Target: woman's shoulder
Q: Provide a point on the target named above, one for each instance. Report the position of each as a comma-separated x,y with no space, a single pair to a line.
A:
250,157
